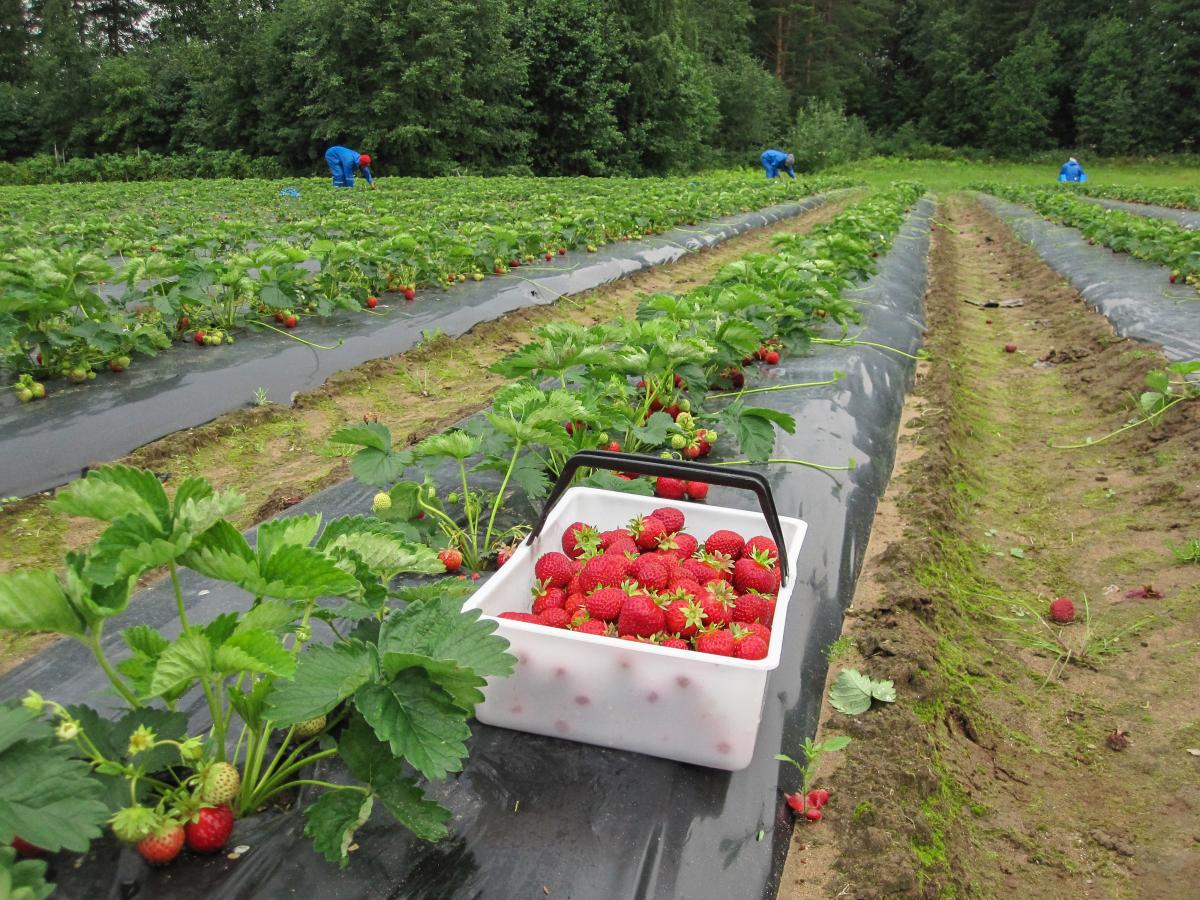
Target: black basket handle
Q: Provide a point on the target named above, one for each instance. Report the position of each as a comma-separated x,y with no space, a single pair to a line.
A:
639,464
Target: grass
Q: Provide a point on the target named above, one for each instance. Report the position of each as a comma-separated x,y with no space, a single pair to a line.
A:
945,176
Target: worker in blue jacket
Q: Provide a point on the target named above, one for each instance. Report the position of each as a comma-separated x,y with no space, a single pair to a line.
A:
344,162
1072,171
774,160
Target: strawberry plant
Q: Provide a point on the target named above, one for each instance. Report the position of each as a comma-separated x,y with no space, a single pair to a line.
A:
278,701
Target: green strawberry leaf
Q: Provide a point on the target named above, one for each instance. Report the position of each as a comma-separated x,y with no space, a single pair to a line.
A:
110,492
22,879
190,656
654,432
441,630
332,821
33,600
370,434
420,721
852,692
372,761
256,651
609,481
325,676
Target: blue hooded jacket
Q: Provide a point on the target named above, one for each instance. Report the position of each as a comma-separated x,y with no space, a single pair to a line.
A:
1072,171
772,160
343,163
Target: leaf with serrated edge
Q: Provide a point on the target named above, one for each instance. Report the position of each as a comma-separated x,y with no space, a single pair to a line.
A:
275,533
325,675
332,821
440,629
109,492
269,615
255,651
33,600
851,693
189,656
420,721
369,434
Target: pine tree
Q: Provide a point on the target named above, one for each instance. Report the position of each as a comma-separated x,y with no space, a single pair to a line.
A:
1105,111
1023,97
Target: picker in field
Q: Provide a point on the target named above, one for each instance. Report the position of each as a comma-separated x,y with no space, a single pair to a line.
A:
344,162
1072,171
774,160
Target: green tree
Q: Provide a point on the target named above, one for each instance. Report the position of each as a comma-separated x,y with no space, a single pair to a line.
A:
1022,98
62,70
1105,108
14,41
752,103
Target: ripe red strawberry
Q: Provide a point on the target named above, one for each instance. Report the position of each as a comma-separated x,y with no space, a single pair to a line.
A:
675,644
669,488
605,604
687,545
372,302
697,490
592,626
716,611
756,573
650,572
818,797
503,555
554,568
290,321
562,251
548,598
724,541
1062,611
607,570
163,846
648,531
555,617
640,616
579,538
751,647
607,538
684,617
209,829
520,617
795,802
718,642
613,447
684,585
451,559
761,543
409,293
771,358
671,518
757,628
26,850
749,608
574,603
198,337
813,815
700,570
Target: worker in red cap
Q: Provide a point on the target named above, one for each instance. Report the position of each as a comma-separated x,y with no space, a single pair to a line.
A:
344,162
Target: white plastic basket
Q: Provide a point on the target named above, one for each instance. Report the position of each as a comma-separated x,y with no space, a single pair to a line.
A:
678,704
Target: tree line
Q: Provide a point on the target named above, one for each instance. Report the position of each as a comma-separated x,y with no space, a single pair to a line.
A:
592,87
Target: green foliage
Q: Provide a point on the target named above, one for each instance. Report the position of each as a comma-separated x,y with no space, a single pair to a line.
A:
824,136
1022,97
1106,113
22,879
853,692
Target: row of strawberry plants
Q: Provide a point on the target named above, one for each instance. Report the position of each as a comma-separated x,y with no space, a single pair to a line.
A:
1173,197
189,280
670,381
280,701
1153,240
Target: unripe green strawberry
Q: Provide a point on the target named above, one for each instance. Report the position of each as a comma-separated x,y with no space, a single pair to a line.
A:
678,441
306,729
220,783
381,502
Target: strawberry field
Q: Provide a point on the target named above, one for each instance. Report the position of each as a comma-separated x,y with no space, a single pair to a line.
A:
93,276
621,556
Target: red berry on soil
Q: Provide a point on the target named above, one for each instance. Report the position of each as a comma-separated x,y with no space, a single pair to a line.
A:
1062,611
210,830
640,616
290,322
556,569
795,802
159,849
1010,348
555,617
26,850
409,293
1171,278
562,251
818,797
669,488
813,815
724,541
606,604
718,642
671,518
697,490
198,337
751,647
772,357
451,559
372,302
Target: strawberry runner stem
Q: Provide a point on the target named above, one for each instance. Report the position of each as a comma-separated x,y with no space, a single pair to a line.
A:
300,340
795,462
837,376
1090,443
854,342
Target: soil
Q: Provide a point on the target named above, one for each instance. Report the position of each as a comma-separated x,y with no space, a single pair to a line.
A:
1021,758
277,455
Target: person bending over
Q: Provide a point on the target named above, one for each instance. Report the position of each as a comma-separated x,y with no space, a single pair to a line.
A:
344,163
774,160
1072,171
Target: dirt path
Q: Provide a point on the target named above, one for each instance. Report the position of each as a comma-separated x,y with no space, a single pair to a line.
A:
277,455
994,774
